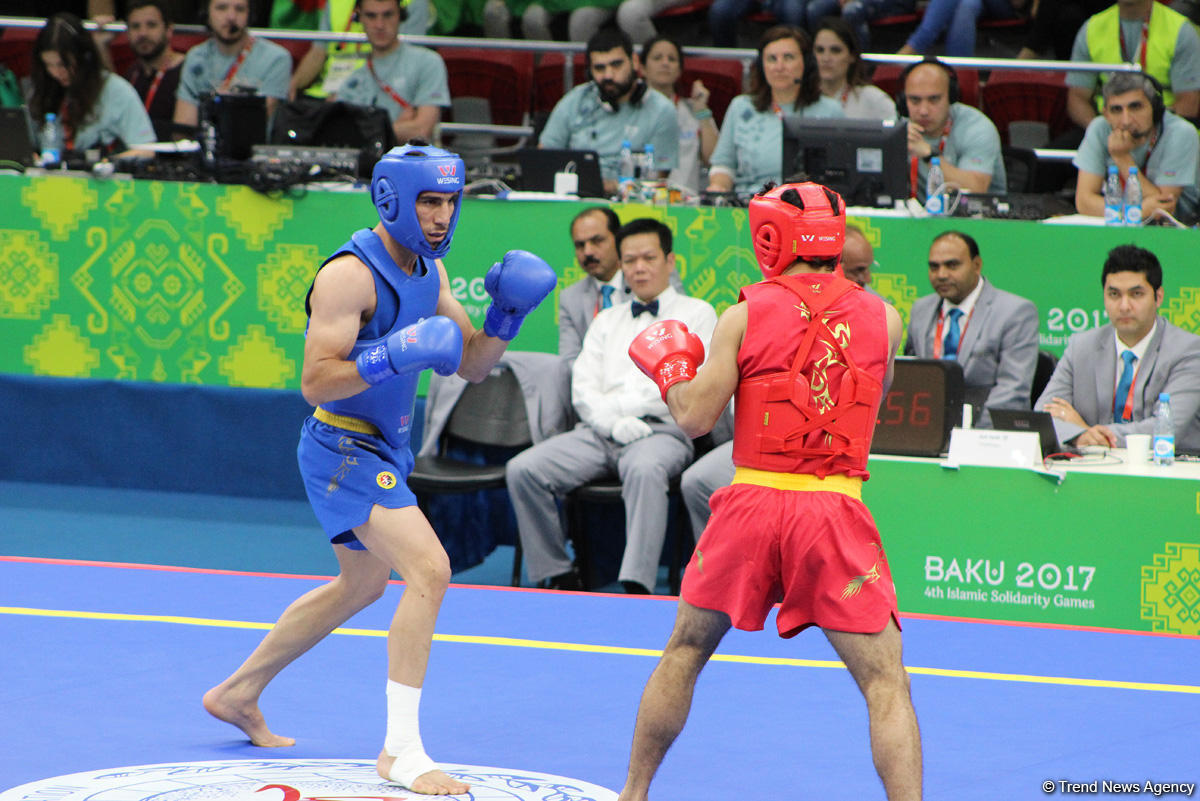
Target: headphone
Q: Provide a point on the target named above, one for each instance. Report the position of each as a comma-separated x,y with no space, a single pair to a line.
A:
635,98
401,4
1154,92
955,94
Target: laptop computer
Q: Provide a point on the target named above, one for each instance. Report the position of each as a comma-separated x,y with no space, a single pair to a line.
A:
16,137
538,167
1051,432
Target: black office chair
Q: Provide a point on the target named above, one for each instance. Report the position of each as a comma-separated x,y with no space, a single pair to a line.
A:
490,414
1046,362
1020,165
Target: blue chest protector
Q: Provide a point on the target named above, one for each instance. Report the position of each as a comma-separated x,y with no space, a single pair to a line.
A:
400,301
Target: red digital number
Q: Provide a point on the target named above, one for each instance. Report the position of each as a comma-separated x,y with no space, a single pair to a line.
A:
894,404
921,413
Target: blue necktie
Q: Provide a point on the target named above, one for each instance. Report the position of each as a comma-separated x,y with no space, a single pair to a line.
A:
637,308
1123,387
952,335
606,293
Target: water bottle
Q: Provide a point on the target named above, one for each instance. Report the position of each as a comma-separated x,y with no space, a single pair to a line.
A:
1133,198
1164,431
625,170
935,189
52,142
649,173
208,143
1114,198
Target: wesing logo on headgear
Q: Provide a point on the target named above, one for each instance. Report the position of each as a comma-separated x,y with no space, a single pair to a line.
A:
449,174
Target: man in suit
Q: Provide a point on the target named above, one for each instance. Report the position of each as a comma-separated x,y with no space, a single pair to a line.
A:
625,428
594,235
1110,377
993,334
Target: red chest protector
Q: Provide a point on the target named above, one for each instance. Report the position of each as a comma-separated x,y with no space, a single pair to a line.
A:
815,415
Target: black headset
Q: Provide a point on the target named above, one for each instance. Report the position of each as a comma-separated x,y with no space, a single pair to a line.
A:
1154,92
635,97
955,93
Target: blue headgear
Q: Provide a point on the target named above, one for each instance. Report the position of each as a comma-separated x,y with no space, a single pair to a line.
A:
402,174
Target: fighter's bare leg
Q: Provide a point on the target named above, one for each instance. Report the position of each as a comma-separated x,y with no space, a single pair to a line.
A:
311,617
874,660
667,698
404,539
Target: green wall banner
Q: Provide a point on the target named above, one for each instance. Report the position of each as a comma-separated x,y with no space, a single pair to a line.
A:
1010,544
205,283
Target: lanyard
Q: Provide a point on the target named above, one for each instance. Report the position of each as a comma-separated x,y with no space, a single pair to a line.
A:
158,76
68,128
388,90
938,343
236,65
1141,48
1127,410
914,173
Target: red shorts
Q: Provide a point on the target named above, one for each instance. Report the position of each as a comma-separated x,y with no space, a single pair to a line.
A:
817,553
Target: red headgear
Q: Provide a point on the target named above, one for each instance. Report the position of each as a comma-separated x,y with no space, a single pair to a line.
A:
810,223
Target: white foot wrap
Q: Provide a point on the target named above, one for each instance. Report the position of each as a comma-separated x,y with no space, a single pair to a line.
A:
403,740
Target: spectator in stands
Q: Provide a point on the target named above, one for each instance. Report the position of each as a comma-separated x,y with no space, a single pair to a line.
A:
843,77
714,469
856,13
993,334
1054,24
1135,130
785,80
635,17
939,125
723,16
956,19
1144,32
231,60
594,235
615,106
662,62
625,429
326,66
96,108
407,80
1110,377
584,17
156,69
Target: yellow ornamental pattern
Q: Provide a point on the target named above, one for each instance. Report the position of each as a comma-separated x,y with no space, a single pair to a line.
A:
256,361
1171,590
283,281
62,350
253,216
28,275
1184,311
61,204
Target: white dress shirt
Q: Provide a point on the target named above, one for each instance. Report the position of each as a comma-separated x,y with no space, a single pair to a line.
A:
606,385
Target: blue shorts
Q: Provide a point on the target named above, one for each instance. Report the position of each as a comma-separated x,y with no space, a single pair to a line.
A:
346,473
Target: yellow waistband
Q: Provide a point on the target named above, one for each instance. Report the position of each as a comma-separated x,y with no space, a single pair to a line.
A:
348,423
847,485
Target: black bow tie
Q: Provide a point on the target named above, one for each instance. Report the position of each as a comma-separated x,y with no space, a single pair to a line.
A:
637,308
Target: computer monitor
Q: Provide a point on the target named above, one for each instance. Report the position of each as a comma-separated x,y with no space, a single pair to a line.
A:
865,161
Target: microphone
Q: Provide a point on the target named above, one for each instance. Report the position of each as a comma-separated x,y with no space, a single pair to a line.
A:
797,81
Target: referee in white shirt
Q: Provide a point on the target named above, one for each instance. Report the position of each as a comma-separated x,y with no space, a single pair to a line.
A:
625,427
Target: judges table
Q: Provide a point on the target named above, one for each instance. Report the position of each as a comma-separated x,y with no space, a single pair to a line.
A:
1096,544
196,288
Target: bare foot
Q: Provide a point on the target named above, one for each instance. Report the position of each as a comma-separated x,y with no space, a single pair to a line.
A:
223,704
435,782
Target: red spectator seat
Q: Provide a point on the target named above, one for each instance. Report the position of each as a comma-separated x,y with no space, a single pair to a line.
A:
684,9
1015,95
121,53
296,48
184,42
897,20
887,78
722,76
548,79
16,50
503,77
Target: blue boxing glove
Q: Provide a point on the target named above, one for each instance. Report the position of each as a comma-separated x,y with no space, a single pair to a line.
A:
432,342
517,285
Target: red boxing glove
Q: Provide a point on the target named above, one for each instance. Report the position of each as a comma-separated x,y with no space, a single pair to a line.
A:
667,352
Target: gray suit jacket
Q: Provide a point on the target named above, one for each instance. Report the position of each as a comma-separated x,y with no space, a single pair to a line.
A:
577,306
998,352
1086,378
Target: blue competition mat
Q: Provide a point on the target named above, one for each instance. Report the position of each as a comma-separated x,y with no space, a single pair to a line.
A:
104,666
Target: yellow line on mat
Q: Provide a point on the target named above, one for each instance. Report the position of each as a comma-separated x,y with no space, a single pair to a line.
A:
513,642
